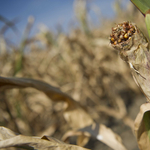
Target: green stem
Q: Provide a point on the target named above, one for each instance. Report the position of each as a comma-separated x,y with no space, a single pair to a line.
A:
146,119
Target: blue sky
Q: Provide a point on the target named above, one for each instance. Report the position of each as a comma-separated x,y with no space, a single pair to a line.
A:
48,12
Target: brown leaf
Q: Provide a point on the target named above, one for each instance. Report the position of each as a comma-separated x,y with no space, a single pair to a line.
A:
82,139
141,77
142,127
77,117
6,133
52,92
75,114
101,133
28,142
105,135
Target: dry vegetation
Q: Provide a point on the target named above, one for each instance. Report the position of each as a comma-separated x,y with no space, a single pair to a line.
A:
81,64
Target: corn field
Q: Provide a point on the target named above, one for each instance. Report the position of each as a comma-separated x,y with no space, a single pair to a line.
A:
69,87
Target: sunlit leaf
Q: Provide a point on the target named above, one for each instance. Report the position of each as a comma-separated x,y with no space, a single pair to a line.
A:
9,139
147,20
142,5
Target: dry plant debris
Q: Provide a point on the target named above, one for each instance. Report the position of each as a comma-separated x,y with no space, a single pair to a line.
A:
133,48
74,114
10,139
97,83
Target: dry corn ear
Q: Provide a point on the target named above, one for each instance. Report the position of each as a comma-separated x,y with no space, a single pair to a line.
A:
133,48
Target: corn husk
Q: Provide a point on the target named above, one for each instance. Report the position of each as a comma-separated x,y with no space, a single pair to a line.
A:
133,48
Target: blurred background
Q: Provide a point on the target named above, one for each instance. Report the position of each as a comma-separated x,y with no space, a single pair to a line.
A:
66,44
56,15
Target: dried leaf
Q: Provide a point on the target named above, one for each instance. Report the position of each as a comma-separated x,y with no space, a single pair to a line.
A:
52,92
101,133
74,114
82,139
105,135
77,117
27,142
6,133
142,127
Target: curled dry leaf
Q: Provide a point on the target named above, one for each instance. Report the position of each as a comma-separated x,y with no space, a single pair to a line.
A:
27,142
106,135
142,127
133,48
83,137
101,133
82,140
74,114
6,133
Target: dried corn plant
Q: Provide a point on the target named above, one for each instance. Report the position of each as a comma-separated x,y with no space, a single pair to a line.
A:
133,47
95,90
